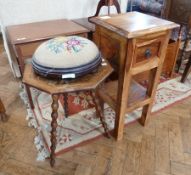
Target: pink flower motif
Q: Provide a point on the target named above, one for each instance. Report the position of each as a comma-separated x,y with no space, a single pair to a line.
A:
74,44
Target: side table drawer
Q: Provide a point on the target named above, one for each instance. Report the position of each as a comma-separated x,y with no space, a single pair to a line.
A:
147,49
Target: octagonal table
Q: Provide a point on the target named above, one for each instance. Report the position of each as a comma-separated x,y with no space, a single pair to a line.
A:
56,87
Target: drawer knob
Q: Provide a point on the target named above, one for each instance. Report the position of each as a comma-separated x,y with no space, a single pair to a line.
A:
148,53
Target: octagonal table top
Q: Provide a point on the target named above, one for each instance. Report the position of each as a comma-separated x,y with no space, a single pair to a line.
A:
87,82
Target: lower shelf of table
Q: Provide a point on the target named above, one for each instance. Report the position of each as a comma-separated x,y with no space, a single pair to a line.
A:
137,95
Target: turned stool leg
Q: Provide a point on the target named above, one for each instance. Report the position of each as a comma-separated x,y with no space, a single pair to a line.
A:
99,112
29,96
100,104
66,104
3,116
54,124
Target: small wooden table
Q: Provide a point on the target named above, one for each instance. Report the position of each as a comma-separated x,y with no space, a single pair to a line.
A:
25,38
88,82
135,43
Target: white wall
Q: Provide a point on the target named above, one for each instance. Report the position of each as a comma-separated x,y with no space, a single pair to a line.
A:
25,11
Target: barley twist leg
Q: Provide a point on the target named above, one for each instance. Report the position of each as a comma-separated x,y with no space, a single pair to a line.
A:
54,124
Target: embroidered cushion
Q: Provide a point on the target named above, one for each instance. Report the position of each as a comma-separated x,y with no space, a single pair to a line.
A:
66,55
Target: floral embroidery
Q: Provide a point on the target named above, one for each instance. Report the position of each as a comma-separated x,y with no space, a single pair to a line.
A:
55,45
75,44
71,44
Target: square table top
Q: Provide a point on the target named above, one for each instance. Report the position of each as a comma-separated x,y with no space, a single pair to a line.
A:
30,32
133,24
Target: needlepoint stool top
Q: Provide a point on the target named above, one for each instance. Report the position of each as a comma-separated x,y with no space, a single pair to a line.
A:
66,55
66,52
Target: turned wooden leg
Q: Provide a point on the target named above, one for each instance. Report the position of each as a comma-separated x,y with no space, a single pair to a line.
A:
3,116
99,112
29,96
116,4
66,104
108,3
54,124
100,104
100,4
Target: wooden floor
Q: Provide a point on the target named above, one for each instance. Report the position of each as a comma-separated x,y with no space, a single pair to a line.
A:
161,148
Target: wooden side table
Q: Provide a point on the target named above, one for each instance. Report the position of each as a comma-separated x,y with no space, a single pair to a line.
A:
138,44
3,116
25,38
88,82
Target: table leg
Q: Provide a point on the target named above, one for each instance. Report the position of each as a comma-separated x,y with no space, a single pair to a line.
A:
29,96
99,112
123,88
3,116
54,124
66,104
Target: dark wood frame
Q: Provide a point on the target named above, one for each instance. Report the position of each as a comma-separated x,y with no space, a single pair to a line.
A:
108,3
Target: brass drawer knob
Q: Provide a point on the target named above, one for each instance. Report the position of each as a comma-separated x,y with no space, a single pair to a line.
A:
148,53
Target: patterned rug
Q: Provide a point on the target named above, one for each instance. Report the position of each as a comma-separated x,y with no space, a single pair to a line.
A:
81,127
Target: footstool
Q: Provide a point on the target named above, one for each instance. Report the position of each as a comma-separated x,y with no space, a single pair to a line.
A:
54,78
